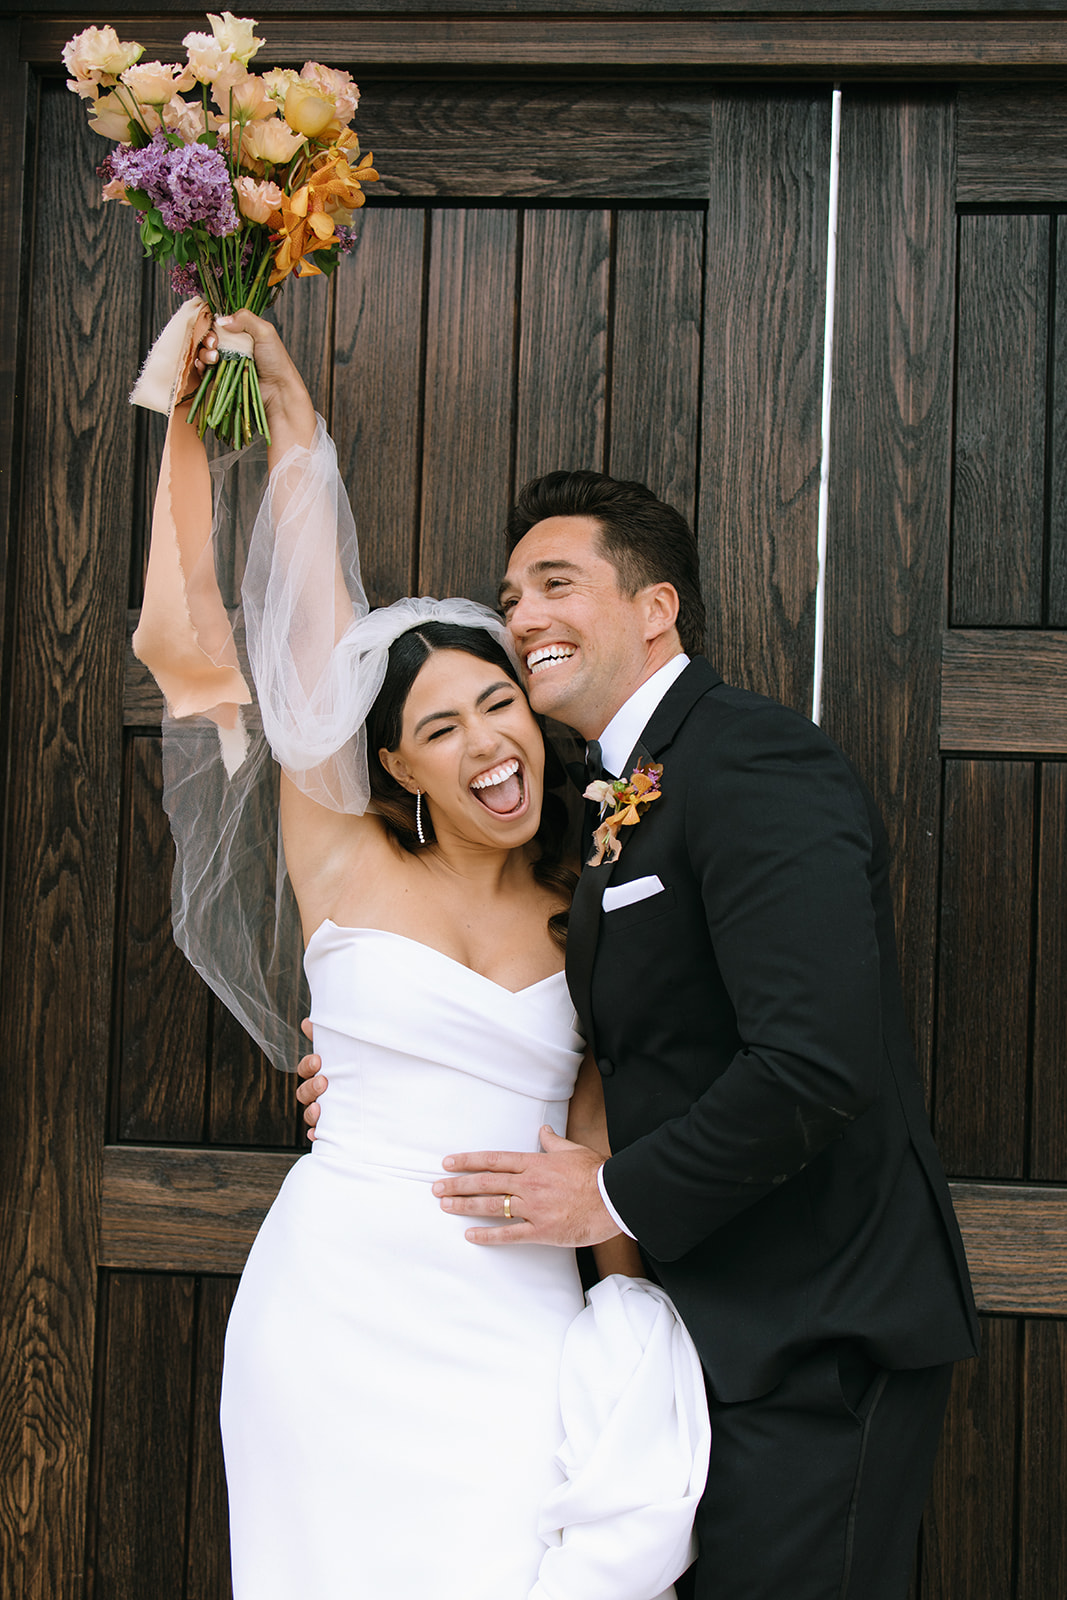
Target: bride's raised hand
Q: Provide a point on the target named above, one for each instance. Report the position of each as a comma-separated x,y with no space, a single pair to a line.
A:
290,413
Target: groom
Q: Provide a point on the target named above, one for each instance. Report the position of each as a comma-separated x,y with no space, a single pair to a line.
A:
735,974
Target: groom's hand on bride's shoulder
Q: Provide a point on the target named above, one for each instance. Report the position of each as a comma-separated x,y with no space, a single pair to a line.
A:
548,1198
315,1084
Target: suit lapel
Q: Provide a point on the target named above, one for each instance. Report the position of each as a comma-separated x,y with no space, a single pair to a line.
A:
587,905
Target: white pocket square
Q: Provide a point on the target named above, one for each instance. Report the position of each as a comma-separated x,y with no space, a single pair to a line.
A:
626,894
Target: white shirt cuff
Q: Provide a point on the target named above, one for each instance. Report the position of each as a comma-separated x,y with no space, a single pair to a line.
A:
609,1208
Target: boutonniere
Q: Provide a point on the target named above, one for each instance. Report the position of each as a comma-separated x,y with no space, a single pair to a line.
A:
627,798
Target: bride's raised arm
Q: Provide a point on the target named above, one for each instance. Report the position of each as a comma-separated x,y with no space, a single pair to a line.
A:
303,599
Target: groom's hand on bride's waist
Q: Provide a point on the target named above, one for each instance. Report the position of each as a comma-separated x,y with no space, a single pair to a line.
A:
548,1198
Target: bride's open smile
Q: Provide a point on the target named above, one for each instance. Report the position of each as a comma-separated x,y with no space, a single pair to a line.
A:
470,742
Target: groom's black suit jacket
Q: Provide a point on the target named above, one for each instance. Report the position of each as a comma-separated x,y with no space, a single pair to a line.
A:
772,1153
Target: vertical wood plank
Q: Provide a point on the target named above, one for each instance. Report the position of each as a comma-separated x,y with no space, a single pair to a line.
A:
64,780
17,96
1057,555
249,1101
304,315
1048,1136
998,523
983,978
765,270
146,1387
563,334
969,1524
377,393
207,1570
163,1005
889,487
467,442
656,351
1042,1519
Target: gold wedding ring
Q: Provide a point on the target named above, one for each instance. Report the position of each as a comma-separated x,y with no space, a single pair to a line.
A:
507,1206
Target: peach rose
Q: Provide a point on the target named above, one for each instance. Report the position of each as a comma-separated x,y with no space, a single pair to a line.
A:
333,84
256,199
154,83
115,189
111,115
184,117
210,63
247,101
270,141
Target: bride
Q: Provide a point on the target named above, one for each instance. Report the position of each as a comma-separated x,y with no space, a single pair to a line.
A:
471,1432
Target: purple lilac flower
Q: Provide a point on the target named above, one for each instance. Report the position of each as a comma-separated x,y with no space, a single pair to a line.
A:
190,184
346,239
185,281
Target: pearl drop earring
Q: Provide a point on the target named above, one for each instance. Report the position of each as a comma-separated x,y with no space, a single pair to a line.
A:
418,816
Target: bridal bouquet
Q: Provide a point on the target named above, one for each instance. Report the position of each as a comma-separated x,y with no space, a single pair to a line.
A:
239,179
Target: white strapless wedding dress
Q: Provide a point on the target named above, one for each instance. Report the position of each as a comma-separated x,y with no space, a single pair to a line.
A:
407,1416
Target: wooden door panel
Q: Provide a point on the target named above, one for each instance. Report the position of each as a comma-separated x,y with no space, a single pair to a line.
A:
1048,1117
998,520
561,389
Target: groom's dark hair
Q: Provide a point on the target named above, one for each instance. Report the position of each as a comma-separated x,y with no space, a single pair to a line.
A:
645,539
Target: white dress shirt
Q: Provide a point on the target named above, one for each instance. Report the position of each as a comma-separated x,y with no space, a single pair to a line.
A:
616,743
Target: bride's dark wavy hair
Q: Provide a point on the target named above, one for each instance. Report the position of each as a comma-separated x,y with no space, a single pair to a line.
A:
408,654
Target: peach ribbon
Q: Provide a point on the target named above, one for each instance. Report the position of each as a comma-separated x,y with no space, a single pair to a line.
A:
184,636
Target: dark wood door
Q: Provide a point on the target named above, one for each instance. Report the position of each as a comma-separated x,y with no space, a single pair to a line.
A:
620,275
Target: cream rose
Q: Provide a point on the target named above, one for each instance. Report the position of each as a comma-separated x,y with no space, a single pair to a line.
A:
307,111
256,199
271,141
235,34
277,81
154,83
207,59
98,54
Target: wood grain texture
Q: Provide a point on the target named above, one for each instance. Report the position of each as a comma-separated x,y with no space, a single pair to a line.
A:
765,266
466,458
249,1100
656,352
64,781
142,1493
1012,144
1042,1569
1004,689
16,99
852,45
889,488
998,520
983,970
1056,615
185,1210
162,1004
969,1525
1015,1236
1048,1113
207,1560
626,9
536,140
561,389
378,364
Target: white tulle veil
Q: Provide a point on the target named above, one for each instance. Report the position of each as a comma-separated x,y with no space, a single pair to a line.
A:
317,657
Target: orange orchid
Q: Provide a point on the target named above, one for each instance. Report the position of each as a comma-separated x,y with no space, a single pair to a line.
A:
306,220
629,797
